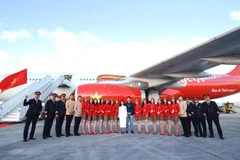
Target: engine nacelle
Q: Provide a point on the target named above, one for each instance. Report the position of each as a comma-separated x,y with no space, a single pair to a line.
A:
110,91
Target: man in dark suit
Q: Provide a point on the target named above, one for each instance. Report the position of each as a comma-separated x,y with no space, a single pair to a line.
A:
33,112
199,118
60,115
190,114
212,112
49,115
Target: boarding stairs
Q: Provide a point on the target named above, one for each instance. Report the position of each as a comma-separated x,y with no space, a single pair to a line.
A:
13,109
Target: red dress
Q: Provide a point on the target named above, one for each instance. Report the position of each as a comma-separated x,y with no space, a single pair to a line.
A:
95,110
89,109
84,108
158,110
112,108
146,110
101,110
167,110
153,110
116,107
138,111
107,110
175,109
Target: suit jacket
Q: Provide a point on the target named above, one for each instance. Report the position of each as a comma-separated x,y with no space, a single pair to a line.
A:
211,108
50,108
198,110
60,108
34,109
70,107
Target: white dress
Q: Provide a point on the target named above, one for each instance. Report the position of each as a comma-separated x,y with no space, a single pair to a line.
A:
122,114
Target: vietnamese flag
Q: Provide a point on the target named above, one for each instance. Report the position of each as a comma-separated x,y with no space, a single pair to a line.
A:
13,80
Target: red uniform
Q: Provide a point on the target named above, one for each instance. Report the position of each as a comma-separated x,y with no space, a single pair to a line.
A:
160,110
107,110
89,109
146,110
84,108
175,108
138,111
95,110
112,108
101,109
116,107
153,110
167,110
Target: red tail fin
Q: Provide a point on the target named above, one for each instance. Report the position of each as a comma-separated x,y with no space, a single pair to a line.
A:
235,71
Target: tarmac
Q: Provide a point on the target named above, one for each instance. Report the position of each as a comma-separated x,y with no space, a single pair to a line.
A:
123,146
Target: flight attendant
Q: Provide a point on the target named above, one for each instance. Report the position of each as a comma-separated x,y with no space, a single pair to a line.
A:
101,115
122,114
138,115
107,111
212,112
95,112
153,115
175,109
84,115
160,115
111,115
145,115
69,114
89,115
115,117
167,115
33,112
183,116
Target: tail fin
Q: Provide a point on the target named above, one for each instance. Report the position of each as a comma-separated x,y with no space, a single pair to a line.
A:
235,71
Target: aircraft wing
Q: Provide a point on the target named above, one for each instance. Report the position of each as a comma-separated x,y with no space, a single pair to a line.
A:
223,49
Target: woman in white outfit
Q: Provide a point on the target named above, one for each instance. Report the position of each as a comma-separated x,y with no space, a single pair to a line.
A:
122,114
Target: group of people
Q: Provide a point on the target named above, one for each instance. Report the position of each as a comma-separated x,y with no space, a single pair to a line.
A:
110,113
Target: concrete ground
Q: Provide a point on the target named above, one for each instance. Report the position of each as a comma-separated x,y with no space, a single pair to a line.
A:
123,146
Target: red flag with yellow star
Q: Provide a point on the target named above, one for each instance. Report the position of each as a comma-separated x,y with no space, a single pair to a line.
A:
13,80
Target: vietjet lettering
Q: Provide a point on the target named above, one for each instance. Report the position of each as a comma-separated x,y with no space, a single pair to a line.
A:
198,80
223,90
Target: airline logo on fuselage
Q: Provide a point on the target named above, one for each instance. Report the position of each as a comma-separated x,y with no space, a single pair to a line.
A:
199,80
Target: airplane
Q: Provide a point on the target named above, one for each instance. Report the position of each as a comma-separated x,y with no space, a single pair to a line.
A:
184,74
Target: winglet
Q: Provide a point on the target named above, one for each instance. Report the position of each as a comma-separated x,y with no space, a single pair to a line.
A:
235,71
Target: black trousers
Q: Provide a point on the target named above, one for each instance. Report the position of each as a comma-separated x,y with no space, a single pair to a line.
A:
200,124
59,123
29,120
68,124
214,119
47,126
76,124
184,121
190,120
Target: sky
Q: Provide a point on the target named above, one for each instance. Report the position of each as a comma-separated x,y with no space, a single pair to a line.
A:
106,36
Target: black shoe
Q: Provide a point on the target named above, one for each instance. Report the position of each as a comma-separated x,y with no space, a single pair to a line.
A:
67,135
24,140
77,134
49,136
44,137
196,135
58,136
222,138
182,134
62,135
32,138
70,134
132,132
126,131
122,132
211,136
188,135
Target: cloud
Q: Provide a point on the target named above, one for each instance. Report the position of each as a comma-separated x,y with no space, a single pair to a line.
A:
235,15
13,35
3,56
